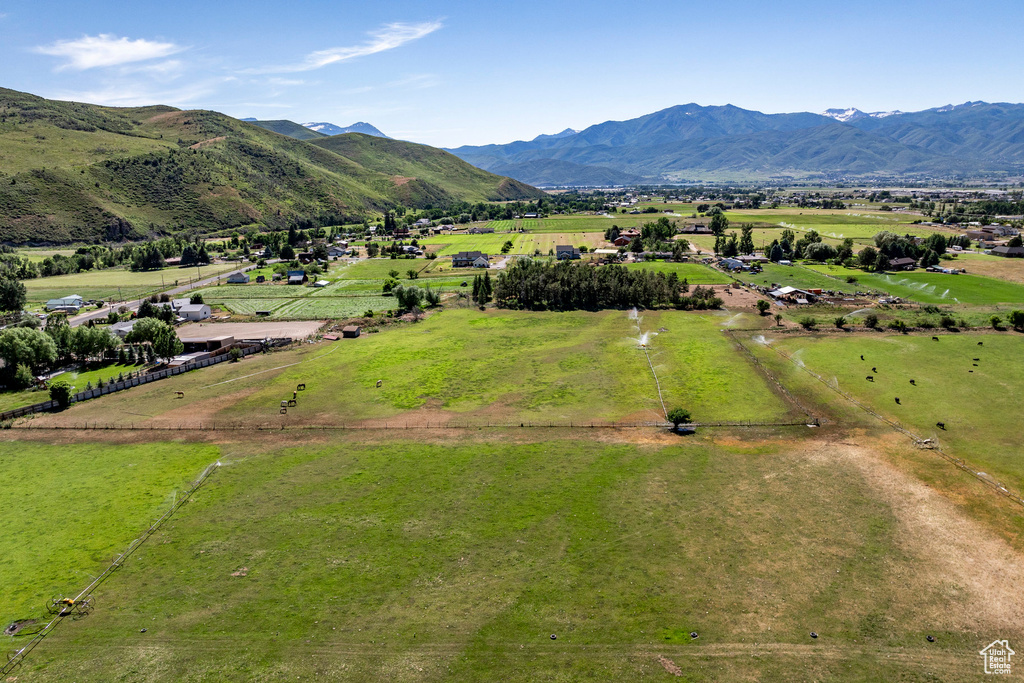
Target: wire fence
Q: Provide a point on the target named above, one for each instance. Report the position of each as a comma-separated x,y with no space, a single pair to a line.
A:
983,477
66,607
284,425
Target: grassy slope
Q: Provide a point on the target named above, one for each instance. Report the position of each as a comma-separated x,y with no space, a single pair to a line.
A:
79,172
426,170
289,128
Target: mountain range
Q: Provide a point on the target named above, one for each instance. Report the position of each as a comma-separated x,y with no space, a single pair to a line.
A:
693,143
75,172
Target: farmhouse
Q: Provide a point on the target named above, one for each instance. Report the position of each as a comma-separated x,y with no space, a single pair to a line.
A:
337,252
1008,252
66,304
297,277
622,240
905,263
566,251
122,329
467,259
238,279
194,312
732,264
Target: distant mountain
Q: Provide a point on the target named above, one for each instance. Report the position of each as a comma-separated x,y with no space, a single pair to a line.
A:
694,143
565,133
110,174
358,127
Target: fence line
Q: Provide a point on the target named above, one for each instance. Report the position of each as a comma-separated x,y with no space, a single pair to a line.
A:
771,377
390,426
962,464
128,383
15,659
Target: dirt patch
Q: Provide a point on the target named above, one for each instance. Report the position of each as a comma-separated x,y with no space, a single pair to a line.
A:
296,329
399,180
17,626
206,143
244,571
734,298
669,665
954,549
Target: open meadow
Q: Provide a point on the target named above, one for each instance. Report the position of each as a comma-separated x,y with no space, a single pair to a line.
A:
933,288
436,527
111,283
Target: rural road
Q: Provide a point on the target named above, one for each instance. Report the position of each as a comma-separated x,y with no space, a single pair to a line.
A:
101,313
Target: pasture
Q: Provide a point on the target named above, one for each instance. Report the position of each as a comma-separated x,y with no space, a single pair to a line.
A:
801,278
431,558
109,283
983,432
694,273
481,367
934,288
66,511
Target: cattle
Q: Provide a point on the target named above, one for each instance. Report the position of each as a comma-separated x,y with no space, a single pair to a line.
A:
179,394
870,378
940,425
379,383
898,400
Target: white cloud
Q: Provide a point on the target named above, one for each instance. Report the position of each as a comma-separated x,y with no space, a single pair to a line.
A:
139,94
388,37
89,52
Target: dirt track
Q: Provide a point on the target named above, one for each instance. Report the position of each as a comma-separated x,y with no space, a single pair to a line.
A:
296,329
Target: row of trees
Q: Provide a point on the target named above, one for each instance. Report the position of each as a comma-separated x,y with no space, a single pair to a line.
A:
539,285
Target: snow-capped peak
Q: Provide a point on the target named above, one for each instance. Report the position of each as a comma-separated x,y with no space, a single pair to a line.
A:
844,115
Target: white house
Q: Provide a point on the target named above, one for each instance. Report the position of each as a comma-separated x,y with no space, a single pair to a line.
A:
195,312
238,279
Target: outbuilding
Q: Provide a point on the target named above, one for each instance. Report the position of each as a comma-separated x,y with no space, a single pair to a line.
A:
195,312
238,279
350,331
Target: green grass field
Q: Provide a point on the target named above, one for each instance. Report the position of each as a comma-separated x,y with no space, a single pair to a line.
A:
694,273
66,512
935,288
77,378
948,388
459,560
801,278
105,284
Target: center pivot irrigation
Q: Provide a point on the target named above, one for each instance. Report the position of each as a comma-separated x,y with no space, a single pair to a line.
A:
81,604
643,340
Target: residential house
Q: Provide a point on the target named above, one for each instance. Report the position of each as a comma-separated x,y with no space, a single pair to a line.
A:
1008,252
66,304
238,279
121,329
622,240
467,259
905,263
337,252
297,277
565,251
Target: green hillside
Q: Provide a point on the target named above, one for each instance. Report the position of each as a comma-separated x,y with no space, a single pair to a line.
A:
289,128
80,172
419,169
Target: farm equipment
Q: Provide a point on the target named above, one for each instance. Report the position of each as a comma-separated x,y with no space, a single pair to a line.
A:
68,607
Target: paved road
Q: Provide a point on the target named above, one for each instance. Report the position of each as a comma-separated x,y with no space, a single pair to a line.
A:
101,313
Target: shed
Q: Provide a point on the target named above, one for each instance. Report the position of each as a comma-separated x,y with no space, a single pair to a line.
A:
297,277
195,312
350,331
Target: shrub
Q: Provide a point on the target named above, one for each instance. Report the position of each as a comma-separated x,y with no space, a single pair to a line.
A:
23,376
235,354
898,325
763,306
678,416
840,322
871,321
947,322
1016,319
997,322
808,323
60,391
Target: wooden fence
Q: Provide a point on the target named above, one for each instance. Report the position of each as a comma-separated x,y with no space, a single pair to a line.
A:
128,383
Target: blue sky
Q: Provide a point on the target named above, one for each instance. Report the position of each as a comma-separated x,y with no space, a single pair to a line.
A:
452,73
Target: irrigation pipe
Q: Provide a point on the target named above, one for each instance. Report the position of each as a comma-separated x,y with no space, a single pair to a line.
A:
15,659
